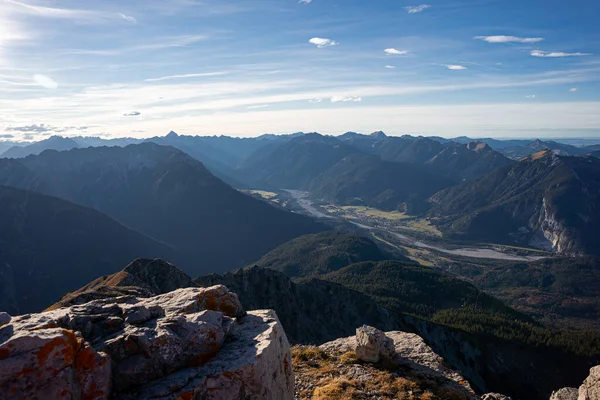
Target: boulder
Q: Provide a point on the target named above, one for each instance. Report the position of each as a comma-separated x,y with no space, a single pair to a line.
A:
565,394
409,351
590,390
189,343
373,345
494,396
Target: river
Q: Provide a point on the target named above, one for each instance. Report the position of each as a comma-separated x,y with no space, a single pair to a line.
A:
472,252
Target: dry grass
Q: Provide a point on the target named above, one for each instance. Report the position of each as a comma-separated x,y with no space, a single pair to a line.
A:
324,375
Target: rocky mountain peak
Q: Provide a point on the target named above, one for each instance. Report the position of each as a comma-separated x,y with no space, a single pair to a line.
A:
172,135
478,146
539,155
378,135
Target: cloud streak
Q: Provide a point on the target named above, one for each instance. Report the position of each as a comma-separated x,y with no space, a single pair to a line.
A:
395,52
455,67
508,39
185,76
132,114
128,18
417,9
341,99
556,54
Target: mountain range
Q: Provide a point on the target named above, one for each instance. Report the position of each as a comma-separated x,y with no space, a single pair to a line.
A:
166,195
543,200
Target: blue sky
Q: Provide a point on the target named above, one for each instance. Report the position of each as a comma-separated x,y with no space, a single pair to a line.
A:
247,67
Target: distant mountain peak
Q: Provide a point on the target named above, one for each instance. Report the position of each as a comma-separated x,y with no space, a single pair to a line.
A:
378,134
478,146
172,134
540,154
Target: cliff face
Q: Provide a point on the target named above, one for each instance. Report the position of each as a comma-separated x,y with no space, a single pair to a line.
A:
544,200
191,343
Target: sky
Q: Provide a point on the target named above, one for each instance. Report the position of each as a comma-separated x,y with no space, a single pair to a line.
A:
141,68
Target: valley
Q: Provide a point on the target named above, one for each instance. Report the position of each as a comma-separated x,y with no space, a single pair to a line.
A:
416,237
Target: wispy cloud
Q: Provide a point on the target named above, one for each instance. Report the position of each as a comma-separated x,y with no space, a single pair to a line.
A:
79,15
455,67
530,96
341,99
258,106
45,81
128,18
44,129
416,9
184,76
573,89
323,42
509,39
317,100
157,44
132,114
392,51
551,54
390,66
305,1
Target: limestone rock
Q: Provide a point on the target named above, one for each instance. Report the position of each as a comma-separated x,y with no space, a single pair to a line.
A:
255,364
565,394
373,345
590,390
412,352
186,343
495,396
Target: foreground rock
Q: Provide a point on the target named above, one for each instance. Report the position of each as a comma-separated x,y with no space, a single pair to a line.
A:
190,343
565,394
403,349
589,390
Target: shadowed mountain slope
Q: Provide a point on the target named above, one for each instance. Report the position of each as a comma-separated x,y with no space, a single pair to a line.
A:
165,194
50,246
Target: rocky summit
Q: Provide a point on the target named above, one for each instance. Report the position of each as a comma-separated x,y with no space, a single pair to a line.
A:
192,343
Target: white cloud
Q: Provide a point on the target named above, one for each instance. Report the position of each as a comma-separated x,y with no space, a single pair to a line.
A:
183,76
257,106
132,114
390,66
317,100
323,42
508,39
573,89
128,18
305,1
455,67
45,81
341,99
392,51
541,53
416,9
85,16
530,96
